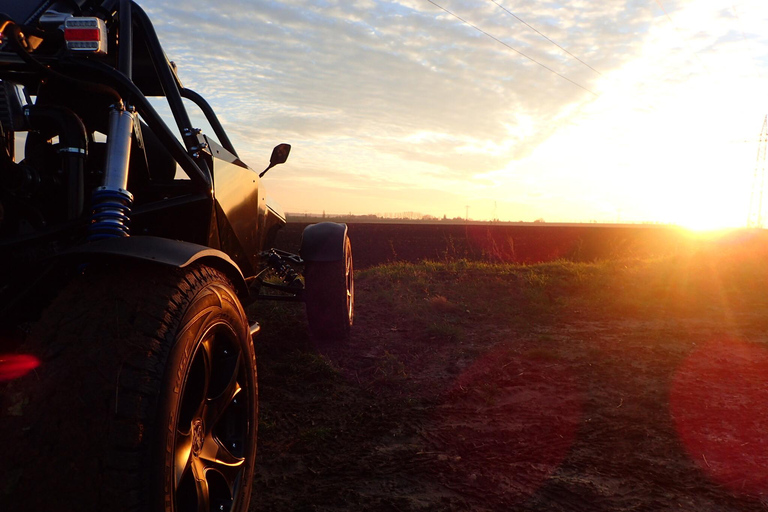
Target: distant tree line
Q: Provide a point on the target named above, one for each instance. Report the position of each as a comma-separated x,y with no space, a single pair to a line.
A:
405,217
372,217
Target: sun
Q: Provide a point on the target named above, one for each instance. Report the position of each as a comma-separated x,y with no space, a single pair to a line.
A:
705,206
713,219
704,224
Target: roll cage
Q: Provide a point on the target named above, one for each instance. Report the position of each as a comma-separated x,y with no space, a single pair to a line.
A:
134,69
77,96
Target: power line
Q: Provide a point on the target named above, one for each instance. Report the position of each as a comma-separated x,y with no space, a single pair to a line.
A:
680,35
511,48
544,36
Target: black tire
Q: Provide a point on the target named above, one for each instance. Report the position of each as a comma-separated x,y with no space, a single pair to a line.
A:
329,296
146,399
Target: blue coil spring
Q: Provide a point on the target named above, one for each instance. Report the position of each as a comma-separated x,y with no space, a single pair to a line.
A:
111,214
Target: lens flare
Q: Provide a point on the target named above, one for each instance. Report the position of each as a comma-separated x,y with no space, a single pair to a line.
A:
13,366
717,401
509,420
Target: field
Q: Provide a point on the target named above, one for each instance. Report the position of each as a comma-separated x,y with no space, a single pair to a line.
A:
377,243
633,381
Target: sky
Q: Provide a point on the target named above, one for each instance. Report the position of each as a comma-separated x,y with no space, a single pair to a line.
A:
566,111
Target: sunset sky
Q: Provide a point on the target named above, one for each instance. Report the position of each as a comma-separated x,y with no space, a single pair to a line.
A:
651,114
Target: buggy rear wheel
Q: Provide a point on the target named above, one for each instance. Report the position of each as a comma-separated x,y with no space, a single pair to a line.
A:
329,296
146,399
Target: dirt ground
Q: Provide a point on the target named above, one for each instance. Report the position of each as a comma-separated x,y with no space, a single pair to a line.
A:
566,410
635,385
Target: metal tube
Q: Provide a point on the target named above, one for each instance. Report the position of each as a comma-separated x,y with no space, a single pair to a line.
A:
125,52
210,115
118,149
112,202
167,78
201,177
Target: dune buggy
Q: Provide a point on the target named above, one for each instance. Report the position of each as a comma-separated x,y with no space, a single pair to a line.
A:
129,253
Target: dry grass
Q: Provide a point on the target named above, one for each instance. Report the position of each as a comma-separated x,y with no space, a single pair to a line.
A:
471,385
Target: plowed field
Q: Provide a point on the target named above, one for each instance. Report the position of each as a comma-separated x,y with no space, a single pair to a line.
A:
619,385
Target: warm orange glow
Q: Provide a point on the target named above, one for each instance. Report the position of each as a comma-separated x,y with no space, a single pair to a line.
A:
703,222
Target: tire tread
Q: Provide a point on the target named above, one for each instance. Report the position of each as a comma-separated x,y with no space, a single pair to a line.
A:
142,315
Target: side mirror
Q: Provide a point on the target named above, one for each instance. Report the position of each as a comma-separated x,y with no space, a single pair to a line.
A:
279,156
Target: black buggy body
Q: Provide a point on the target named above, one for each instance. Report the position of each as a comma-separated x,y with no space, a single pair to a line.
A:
128,252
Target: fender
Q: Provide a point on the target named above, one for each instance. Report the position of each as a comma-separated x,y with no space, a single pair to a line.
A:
163,251
323,242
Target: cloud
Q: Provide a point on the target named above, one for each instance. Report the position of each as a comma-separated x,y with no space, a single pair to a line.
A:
381,68
403,90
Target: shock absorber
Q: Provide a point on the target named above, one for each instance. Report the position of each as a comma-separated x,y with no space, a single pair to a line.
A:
111,202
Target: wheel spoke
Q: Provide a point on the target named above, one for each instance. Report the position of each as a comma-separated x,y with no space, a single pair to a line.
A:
214,433
193,404
350,300
350,282
215,406
201,486
216,456
205,346
182,456
196,387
